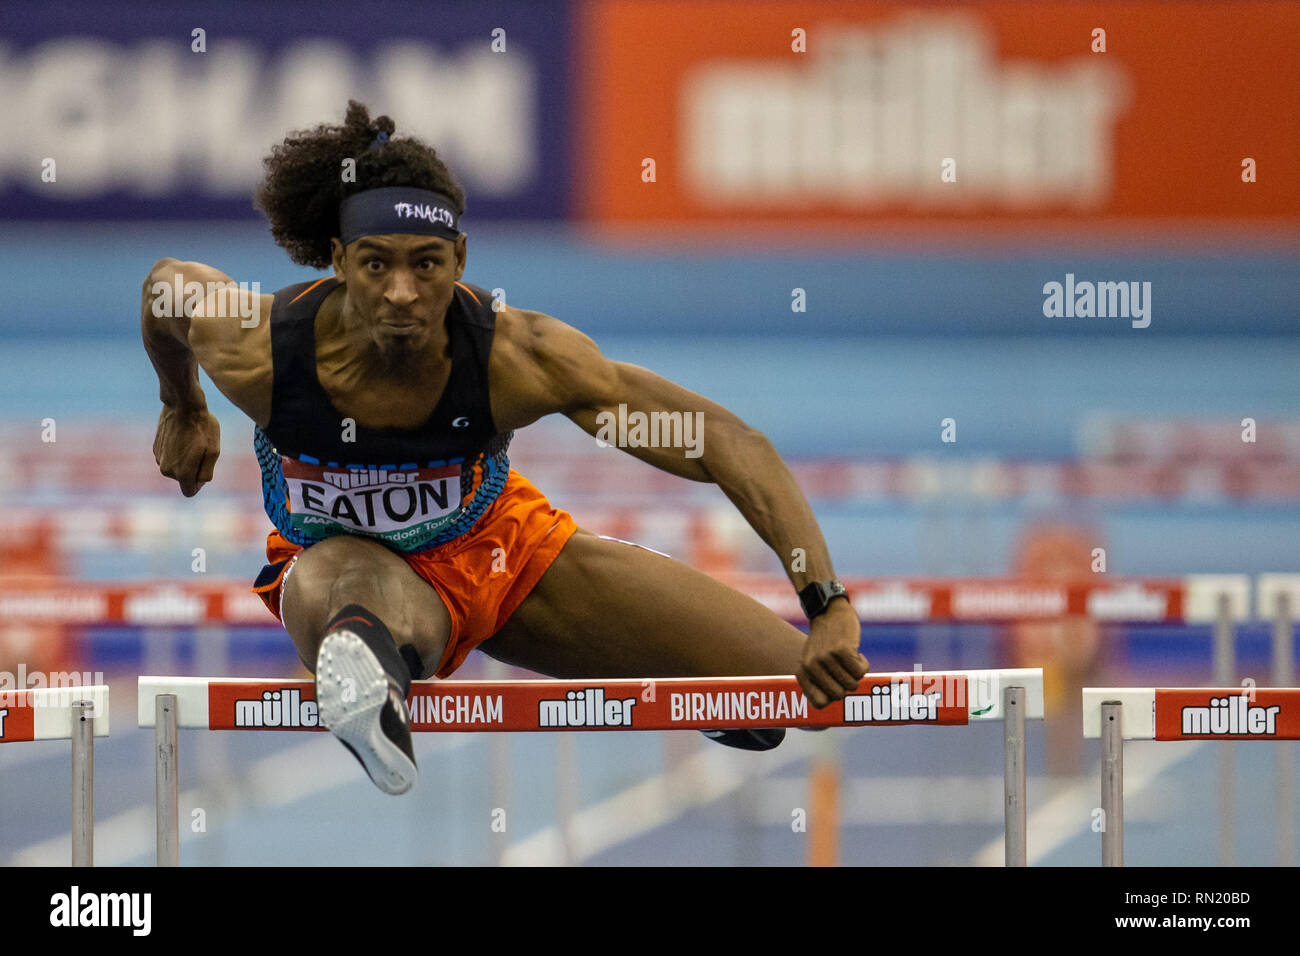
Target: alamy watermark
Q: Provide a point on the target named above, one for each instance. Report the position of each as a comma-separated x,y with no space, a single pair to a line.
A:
1102,300
12,685
242,300
651,430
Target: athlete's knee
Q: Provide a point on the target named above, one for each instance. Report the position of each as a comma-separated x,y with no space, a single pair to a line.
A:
325,578
344,571
356,584
409,611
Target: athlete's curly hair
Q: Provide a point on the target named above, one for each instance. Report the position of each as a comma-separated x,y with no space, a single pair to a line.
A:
304,178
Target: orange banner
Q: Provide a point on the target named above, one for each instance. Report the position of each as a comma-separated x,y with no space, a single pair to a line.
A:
1228,713
17,716
936,698
843,113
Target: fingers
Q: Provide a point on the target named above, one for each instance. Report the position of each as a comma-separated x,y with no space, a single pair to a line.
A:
209,466
204,474
816,696
832,678
824,684
854,663
188,457
192,477
842,675
200,476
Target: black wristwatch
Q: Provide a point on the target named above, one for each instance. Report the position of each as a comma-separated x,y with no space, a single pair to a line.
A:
817,596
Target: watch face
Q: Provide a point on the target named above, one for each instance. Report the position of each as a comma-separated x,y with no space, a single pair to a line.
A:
817,596
814,598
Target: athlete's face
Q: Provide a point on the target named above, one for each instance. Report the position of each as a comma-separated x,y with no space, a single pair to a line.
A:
400,286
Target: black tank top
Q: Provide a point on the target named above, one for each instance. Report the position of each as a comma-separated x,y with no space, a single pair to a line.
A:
412,489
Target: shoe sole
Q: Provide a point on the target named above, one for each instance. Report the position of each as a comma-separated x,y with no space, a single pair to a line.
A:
755,735
344,663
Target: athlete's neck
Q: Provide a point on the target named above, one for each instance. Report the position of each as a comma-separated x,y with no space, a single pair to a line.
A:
360,354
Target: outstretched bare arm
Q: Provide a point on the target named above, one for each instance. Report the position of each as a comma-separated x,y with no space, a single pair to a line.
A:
565,372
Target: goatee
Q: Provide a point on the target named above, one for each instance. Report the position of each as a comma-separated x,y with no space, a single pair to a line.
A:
398,361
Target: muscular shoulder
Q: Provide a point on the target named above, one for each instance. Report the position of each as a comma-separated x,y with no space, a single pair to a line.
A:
230,334
540,366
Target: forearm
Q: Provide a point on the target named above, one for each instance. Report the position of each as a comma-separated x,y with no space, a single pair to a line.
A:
164,330
751,473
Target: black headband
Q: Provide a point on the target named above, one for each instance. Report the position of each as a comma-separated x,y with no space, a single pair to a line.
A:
397,209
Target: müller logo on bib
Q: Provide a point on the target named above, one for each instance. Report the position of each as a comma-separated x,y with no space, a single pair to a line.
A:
1229,713
406,507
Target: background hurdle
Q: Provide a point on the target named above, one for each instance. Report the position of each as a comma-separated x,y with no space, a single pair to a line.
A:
1012,695
209,646
79,714
208,614
1119,714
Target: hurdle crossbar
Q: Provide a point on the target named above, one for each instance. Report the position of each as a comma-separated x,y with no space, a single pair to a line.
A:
678,703
939,698
1116,714
78,714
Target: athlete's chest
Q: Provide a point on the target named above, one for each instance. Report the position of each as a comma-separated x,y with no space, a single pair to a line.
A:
405,490
381,405
372,400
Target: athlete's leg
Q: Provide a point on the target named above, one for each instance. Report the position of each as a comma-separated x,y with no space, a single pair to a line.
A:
366,624
606,608
345,570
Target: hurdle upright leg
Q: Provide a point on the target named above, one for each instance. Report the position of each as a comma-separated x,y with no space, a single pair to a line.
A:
83,783
166,784
1013,745
1112,784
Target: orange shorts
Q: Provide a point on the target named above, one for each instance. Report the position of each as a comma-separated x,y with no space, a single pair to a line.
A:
466,571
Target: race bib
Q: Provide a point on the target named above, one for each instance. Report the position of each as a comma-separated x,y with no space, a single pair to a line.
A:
406,508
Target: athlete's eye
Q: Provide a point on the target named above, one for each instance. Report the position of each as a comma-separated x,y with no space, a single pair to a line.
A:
372,262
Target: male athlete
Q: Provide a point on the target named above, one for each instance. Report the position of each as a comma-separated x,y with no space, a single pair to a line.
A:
384,398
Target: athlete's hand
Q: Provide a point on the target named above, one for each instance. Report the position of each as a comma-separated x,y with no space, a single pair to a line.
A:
186,447
832,666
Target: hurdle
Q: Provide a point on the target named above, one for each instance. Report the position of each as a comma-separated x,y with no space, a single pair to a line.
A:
1116,714
937,698
79,714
